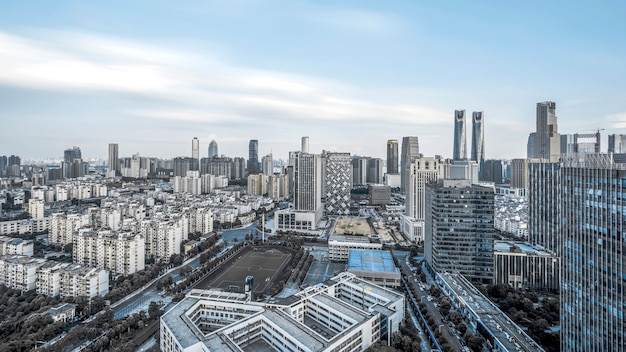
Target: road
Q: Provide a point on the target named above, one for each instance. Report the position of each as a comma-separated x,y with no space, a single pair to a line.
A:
422,295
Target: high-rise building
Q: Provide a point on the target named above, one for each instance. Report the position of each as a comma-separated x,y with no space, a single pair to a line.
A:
217,166
593,280
195,152
182,165
71,154
519,172
114,158
617,144
375,170
267,164
392,156
492,171
423,171
307,182
410,152
359,170
459,151
238,168
544,180
305,145
459,230
478,138
337,183
253,157
530,146
213,149
547,138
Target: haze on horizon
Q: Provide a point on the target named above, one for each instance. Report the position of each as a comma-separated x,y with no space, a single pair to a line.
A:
349,75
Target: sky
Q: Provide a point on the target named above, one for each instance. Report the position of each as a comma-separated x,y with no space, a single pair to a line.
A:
151,75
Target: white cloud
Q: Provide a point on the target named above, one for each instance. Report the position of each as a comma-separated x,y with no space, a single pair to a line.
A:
617,120
197,90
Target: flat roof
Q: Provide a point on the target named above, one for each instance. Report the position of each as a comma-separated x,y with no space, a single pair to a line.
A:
295,330
525,247
371,260
182,328
501,327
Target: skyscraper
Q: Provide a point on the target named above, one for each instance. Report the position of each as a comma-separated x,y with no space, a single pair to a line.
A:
459,151
544,180
70,154
392,156
530,146
422,171
617,143
113,158
547,138
267,163
359,170
213,149
338,183
593,281
478,138
305,145
410,152
253,157
459,229
375,170
307,193
195,153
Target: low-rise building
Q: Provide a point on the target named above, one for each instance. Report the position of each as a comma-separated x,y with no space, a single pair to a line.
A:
339,246
10,246
524,266
344,313
375,266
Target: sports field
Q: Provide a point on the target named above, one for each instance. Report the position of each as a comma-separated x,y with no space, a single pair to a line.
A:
264,265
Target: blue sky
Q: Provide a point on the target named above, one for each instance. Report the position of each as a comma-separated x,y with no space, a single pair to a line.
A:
151,75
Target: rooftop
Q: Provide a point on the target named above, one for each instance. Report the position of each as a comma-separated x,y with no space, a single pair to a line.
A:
371,260
523,247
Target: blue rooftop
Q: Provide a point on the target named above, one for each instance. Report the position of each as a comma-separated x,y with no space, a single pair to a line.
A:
371,260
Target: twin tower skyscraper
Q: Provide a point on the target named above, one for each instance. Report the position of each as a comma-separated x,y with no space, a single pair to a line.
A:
478,137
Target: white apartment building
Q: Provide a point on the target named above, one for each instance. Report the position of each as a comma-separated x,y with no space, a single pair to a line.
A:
343,314
63,226
12,246
19,272
25,226
36,208
121,253
77,280
200,220
164,236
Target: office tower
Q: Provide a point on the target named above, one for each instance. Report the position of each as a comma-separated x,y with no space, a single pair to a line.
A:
359,170
530,146
519,172
392,156
544,180
547,138
464,170
253,157
305,145
195,153
113,158
617,144
307,174
267,163
69,155
3,164
213,149
459,151
423,171
478,138
375,170
410,152
337,183
568,146
459,230
492,171
593,281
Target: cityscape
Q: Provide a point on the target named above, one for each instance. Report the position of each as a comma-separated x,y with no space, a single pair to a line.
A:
256,176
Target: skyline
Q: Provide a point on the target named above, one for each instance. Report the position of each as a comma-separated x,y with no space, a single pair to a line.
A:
349,76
